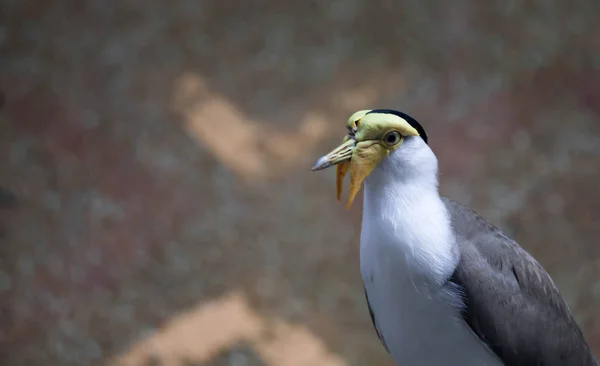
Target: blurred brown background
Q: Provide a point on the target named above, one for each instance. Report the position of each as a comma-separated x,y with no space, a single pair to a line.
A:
157,205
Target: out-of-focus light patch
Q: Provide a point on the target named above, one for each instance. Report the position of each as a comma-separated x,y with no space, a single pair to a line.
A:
358,98
294,345
209,329
232,139
249,148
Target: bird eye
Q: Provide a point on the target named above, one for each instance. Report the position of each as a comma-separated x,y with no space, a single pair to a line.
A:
392,138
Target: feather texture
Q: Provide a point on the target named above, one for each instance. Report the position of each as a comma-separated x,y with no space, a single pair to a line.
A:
446,288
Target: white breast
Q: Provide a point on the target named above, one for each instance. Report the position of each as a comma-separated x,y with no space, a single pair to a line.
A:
407,253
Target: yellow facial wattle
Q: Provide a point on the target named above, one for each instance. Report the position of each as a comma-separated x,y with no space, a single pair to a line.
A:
364,148
340,172
365,158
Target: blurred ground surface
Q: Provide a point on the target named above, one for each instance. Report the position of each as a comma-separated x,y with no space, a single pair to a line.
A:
156,202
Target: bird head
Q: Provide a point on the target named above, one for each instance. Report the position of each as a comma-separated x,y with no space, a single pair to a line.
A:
372,136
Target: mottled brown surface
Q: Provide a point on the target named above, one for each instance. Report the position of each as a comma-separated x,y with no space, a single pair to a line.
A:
156,202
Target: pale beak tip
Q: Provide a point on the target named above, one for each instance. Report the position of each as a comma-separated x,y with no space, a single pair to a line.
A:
322,163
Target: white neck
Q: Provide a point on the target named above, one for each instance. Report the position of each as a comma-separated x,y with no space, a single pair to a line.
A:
403,207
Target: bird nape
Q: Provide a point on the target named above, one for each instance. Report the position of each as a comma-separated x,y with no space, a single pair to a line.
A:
443,286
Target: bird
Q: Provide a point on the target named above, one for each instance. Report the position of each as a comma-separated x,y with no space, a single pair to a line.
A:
444,286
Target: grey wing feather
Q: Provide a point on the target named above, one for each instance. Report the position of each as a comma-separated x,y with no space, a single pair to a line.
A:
511,303
375,321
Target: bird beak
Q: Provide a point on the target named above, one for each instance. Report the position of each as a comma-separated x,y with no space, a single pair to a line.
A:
358,157
340,154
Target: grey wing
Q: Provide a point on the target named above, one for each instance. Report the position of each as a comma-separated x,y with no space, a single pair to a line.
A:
375,321
511,303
